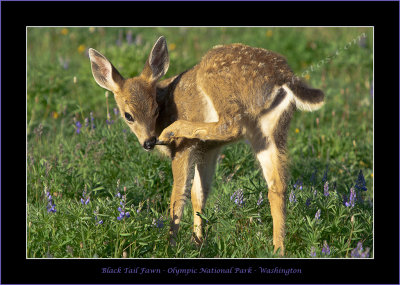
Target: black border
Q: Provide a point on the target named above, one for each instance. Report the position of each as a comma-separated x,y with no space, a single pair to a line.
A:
15,16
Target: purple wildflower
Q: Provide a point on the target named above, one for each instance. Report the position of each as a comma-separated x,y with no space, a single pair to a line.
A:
51,207
86,122
122,213
298,184
359,252
159,223
64,62
352,198
318,214
116,112
95,218
85,200
237,196
360,183
292,197
326,189
308,202
325,249
260,200
313,252
110,122
129,38
92,121
78,127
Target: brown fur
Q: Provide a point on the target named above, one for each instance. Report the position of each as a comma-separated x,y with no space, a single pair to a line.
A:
235,91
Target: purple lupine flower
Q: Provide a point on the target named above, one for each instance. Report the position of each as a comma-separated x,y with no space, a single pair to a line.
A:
51,207
129,38
64,62
313,252
298,184
326,250
78,127
122,213
109,122
116,112
292,197
318,214
260,200
159,223
86,122
85,200
359,252
95,218
92,121
237,196
326,189
352,198
308,202
360,183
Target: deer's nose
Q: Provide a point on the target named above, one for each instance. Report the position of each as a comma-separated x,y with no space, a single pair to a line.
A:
150,143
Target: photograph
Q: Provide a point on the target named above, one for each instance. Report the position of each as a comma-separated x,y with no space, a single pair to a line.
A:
236,142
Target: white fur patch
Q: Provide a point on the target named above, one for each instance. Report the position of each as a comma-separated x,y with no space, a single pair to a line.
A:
269,121
210,114
301,105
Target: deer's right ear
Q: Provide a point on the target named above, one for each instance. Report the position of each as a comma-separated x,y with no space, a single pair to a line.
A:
105,74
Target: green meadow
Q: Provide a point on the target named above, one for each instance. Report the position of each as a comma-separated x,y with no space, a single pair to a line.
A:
83,163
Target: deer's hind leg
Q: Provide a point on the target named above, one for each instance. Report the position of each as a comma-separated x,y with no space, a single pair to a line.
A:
269,143
204,172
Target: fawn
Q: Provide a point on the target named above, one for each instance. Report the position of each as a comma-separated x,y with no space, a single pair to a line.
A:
234,92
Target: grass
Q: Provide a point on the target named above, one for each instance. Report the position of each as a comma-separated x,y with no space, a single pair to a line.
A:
333,144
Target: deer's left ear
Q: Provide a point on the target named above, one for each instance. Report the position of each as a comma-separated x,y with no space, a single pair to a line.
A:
105,74
158,62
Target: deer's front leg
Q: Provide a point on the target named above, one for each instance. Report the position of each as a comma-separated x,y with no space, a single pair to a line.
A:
181,170
223,130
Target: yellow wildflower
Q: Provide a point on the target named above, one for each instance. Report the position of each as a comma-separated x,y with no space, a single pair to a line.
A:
64,31
55,115
297,131
268,33
307,76
81,48
172,46
372,175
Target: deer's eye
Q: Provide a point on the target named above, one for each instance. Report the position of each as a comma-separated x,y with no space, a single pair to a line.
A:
128,117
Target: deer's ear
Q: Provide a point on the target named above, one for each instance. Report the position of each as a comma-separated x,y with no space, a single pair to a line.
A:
158,62
105,74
